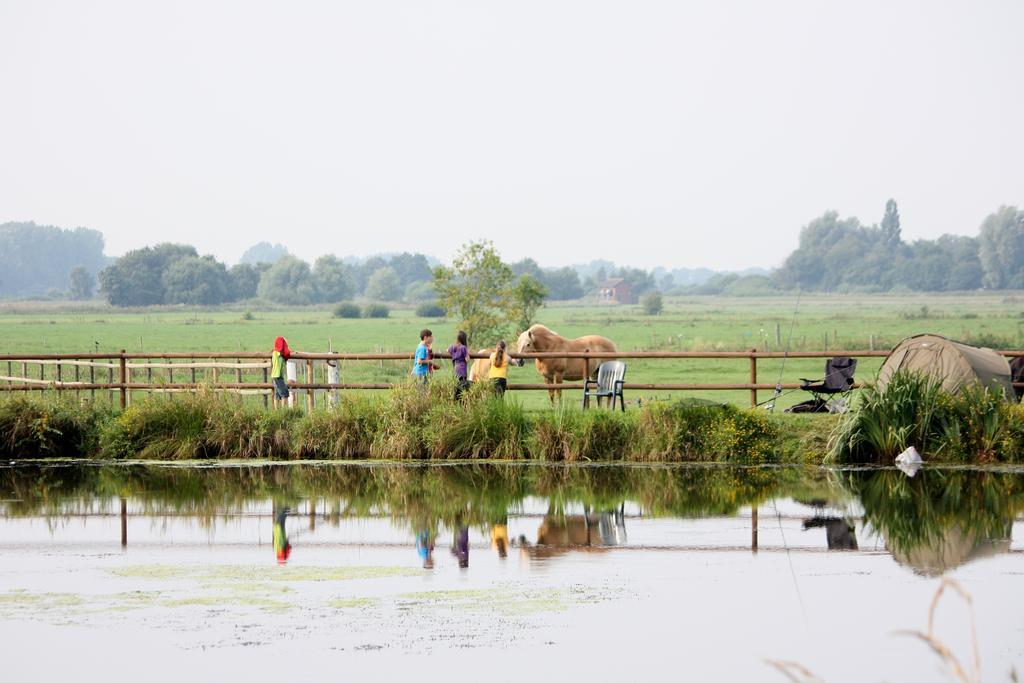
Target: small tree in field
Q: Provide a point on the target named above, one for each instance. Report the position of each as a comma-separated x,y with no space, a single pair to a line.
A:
524,299
82,284
652,303
475,291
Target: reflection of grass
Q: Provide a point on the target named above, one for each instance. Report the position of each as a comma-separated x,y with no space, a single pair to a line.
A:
920,514
474,493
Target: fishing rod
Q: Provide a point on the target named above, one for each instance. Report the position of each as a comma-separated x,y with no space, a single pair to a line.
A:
782,368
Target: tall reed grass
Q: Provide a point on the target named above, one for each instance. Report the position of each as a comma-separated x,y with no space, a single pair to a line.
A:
409,422
976,425
48,427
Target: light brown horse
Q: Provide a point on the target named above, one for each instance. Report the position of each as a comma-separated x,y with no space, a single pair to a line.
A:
540,339
480,368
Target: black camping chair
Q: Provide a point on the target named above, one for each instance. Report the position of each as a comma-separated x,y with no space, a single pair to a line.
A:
838,380
1017,375
611,375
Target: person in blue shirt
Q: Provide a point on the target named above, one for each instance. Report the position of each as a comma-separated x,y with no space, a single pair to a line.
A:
423,360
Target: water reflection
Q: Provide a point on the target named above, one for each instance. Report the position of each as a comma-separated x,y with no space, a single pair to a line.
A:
939,519
931,523
460,545
839,534
425,548
282,548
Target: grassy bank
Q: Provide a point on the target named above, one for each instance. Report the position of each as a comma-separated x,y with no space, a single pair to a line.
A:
974,426
406,423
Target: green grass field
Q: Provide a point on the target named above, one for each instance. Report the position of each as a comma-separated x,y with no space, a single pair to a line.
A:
698,323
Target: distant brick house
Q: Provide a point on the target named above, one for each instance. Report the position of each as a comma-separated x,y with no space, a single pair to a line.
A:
615,291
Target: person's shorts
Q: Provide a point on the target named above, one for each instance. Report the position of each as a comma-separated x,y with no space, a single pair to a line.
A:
280,389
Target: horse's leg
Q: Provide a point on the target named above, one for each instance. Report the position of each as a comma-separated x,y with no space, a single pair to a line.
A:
558,380
548,379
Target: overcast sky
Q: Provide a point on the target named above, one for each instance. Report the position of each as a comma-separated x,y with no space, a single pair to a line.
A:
649,133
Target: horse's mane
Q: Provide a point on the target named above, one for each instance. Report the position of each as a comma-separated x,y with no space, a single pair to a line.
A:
542,331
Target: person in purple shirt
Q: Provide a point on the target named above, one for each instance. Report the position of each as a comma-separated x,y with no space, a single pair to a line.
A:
459,352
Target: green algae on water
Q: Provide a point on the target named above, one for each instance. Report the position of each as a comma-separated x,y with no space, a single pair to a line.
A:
256,573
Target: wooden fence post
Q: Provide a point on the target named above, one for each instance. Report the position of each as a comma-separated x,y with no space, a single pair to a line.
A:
310,379
753,377
124,380
266,397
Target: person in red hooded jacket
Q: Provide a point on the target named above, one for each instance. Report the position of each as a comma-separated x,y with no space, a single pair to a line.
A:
278,368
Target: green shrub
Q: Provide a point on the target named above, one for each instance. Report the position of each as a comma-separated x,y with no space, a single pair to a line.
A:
376,311
430,309
698,432
346,309
652,303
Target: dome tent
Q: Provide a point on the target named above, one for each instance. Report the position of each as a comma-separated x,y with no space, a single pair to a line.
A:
956,365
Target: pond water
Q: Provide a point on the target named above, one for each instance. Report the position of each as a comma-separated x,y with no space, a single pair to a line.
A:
503,571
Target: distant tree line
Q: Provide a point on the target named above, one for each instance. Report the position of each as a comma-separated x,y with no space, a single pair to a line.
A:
842,255
177,274
834,254
42,260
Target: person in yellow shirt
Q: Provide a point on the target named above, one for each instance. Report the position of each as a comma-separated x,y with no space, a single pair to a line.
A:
498,374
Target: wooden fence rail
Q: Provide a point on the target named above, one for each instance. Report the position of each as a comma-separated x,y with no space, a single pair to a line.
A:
130,366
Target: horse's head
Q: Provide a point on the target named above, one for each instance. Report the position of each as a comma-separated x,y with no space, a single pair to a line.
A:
525,345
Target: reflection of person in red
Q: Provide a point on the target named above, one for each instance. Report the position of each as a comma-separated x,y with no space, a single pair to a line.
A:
282,548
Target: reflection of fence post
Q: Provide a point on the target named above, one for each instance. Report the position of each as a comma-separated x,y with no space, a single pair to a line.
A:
333,377
124,381
292,374
124,522
753,378
753,527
